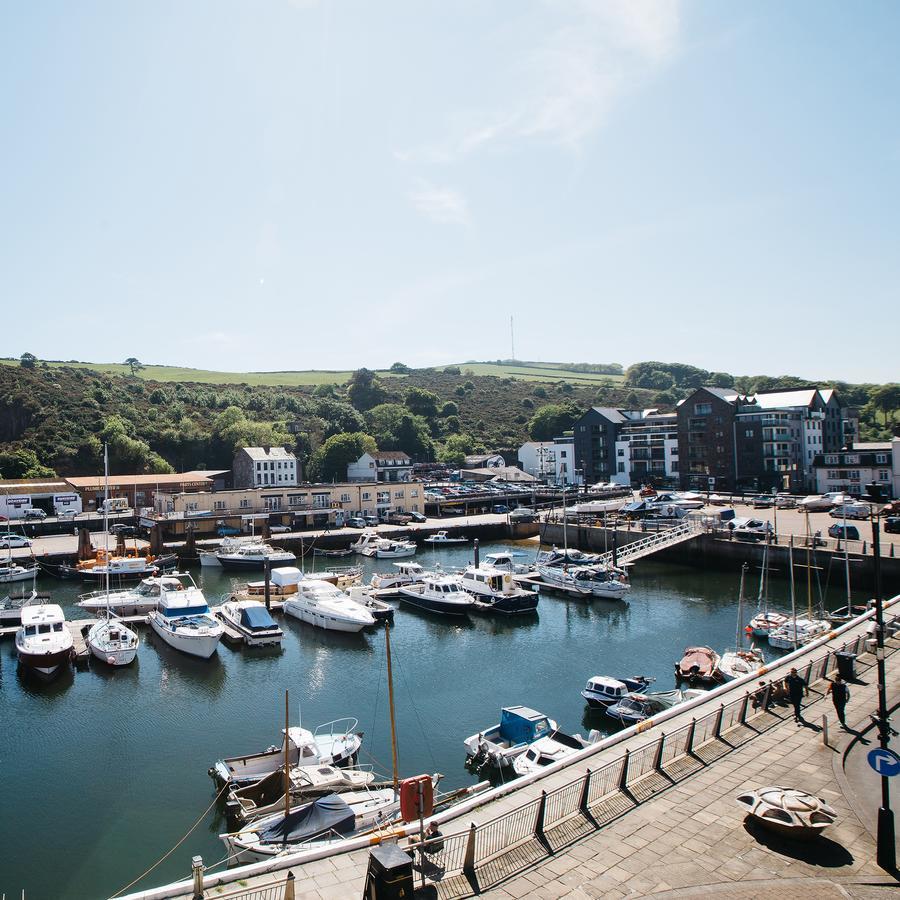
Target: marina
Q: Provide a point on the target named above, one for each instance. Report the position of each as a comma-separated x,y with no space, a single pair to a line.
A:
231,703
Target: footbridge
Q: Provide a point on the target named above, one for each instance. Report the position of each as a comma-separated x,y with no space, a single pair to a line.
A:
647,546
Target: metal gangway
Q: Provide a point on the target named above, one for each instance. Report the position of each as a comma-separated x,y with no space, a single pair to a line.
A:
631,552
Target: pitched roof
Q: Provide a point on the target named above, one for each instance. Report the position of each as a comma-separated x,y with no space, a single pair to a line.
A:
96,482
781,399
264,453
391,454
609,412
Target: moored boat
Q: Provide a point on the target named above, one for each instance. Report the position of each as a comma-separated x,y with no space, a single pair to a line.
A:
798,632
443,537
11,572
602,691
550,749
588,581
406,573
252,621
136,601
252,555
183,620
699,665
44,644
638,707
495,591
499,745
438,594
322,604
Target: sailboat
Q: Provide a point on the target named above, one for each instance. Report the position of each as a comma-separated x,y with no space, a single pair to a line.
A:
740,661
110,640
765,621
850,610
799,631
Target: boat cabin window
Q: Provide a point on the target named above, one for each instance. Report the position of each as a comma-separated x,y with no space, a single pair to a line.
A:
43,629
30,631
496,584
307,751
57,626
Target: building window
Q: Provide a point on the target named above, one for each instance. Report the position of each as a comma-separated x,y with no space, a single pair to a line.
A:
190,507
366,495
414,492
219,504
345,498
883,475
748,433
621,467
245,503
398,495
702,409
881,458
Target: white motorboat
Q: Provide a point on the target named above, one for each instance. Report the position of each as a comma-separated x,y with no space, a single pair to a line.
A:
638,707
406,573
331,744
505,561
443,537
44,644
765,622
183,620
10,572
134,565
326,820
438,594
499,745
252,555
385,549
137,601
550,749
266,796
495,591
590,581
797,633
252,620
112,642
566,557
602,691
366,542
322,604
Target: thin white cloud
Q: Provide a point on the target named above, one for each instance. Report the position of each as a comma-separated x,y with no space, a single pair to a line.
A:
443,205
567,77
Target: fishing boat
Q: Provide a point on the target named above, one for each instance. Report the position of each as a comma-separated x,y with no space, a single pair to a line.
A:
333,743
740,661
136,601
495,591
550,749
252,555
499,745
133,565
638,707
443,537
589,581
438,594
699,665
798,632
266,796
602,691
252,621
406,573
183,620
322,604
44,644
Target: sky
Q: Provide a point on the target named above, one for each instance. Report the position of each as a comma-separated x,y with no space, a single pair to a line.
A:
293,184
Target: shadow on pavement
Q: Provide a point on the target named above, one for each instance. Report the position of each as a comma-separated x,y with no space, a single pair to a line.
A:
819,851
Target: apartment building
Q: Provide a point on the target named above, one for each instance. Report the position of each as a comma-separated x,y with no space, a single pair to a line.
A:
647,448
265,467
863,463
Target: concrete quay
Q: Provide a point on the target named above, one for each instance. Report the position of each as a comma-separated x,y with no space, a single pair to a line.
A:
649,811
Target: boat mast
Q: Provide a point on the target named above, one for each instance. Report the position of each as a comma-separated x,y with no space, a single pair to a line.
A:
793,594
387,644
287,761
809,611
761,597
739,631
106,519
847,562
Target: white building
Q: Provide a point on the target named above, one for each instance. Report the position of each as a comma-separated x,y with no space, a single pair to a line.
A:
864,463
383,465
646,448
551,461
264,467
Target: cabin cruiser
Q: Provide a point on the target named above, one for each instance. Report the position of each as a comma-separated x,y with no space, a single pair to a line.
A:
697,665
637,707
504,560
137,601
10,572
266,796
443,537
253,555
407,573
495,591
381,611
438,594
332,744
387,549
44,644
557,557
662,502
592,581
741,662
183,620
602,691
322,604
252,620
499,745
326,820
550,749
366,541
797,632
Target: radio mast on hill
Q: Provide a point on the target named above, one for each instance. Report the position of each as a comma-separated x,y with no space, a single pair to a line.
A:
512,337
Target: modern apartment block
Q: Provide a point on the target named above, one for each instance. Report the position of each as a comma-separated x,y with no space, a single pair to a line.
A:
647,448
595,435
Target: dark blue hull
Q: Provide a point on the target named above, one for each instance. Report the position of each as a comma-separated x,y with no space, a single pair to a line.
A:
435,606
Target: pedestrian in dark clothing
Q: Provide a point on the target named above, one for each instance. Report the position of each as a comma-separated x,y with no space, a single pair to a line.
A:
840,694
796,687
762,697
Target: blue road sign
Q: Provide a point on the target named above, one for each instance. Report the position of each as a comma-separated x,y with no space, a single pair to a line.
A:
884,762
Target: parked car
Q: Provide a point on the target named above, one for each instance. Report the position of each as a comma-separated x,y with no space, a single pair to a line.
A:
892,524
67,513
356,522
123,529
279,529
744,529
763,501
417,517
785,501
13,540
399,519
843,532
851,511
499,508
891,509
34,513
227,530
371,521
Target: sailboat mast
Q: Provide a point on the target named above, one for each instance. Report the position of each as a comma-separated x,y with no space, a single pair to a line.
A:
387,644
847,561
106,519
808,568
739,631
287,759
793,594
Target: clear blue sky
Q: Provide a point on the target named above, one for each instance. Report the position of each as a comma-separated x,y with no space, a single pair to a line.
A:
265,185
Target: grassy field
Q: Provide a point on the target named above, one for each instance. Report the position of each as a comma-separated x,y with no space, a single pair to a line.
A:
538,372
547,372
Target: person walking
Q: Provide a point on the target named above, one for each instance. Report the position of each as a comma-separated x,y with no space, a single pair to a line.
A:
840,694
797,687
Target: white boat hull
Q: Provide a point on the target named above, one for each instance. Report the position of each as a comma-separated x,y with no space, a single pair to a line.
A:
202,645
18,574
322,619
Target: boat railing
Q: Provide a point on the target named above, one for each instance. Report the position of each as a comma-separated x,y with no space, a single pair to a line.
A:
337,728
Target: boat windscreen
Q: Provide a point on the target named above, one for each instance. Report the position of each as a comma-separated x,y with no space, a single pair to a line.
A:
256,618
326,814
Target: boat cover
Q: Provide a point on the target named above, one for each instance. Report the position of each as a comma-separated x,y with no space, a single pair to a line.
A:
257,618
521,725
312,820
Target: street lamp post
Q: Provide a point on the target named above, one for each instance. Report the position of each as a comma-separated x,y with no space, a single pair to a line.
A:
886,852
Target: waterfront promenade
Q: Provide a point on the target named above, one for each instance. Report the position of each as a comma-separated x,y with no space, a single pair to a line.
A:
664,822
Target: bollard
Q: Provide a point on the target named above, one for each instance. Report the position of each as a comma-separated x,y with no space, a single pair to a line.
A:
197,872
469,860
585,792
825,730
657,761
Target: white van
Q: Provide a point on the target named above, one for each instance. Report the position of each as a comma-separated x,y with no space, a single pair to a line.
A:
853,510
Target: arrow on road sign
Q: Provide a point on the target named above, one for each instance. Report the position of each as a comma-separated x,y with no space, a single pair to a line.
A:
884,762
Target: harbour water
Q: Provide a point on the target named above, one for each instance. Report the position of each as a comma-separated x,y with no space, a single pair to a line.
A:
104,771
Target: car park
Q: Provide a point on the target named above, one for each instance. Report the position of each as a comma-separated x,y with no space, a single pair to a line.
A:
9,540
843,532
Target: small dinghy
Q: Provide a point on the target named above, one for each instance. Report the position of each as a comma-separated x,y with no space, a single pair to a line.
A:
699,665
637,707
550,749
787,811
